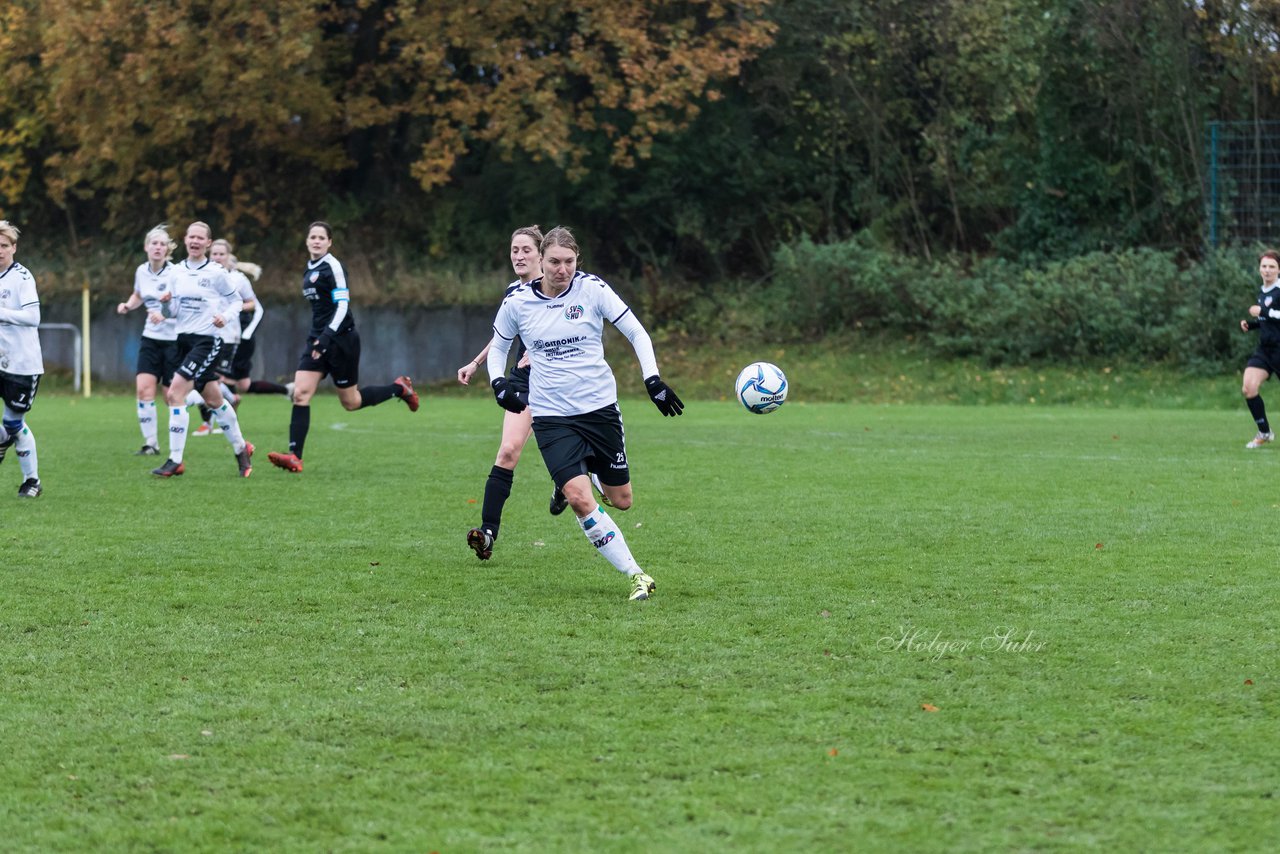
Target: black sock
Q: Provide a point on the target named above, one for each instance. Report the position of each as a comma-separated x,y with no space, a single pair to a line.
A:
205,413
266,387
1259,413
496,491
375,394
299,424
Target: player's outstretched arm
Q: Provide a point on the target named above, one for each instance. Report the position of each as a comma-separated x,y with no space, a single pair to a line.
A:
662,395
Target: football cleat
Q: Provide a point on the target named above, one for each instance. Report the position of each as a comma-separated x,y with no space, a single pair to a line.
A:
147,451
203,430
595,481
288,462
558,502
169,469
244,459
481,542
1256,442
407,394
642,587
6,445
30,488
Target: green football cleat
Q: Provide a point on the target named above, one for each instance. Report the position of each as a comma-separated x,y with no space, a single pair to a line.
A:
642,587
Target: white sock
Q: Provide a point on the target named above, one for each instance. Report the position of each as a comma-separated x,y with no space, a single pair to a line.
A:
178,421
230,424
608,540
26,448
595,481
194,398
147,421
228,395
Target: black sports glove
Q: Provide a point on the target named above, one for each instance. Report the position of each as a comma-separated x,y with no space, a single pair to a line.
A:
663,397
507,397
322,342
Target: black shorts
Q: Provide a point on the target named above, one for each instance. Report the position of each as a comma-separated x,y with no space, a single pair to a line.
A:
158,358
18,390
197,354
225,366
518,379
342,362
576,444
242,364
1267,358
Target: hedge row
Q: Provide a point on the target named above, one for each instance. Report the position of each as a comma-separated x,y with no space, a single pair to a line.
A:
1138,305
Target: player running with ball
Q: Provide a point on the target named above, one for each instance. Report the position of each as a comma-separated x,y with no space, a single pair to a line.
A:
572,392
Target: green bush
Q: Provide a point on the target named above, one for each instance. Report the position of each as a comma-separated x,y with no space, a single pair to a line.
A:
1141,305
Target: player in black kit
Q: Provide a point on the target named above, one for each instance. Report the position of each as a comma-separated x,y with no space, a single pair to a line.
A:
1264,315
333,347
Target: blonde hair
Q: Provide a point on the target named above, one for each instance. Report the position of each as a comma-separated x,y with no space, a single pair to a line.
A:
9,230
221,241
249,268
559,236
162,229
204,225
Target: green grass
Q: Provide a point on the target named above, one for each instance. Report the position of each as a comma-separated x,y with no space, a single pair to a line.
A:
319,663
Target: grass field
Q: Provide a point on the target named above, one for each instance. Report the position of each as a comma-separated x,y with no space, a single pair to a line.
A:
876,628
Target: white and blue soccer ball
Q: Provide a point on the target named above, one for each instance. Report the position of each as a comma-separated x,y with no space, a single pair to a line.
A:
761,387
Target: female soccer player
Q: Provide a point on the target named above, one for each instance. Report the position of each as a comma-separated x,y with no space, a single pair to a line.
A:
1264,315
158,355
572,392
201,299
21,362
516,426
225,369
333,347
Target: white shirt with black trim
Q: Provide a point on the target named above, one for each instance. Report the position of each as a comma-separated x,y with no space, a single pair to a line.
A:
150,286
19,323
565,339
201,292
230,333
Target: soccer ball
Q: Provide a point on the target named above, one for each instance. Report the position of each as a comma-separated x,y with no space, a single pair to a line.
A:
761,387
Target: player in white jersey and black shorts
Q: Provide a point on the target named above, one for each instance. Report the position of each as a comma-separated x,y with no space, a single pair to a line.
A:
333,348
201,298
21,361
242,364
572,392
226,369
158,352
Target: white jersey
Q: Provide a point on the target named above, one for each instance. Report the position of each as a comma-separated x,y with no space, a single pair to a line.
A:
230,333
150,286
565,340
201,292
19,323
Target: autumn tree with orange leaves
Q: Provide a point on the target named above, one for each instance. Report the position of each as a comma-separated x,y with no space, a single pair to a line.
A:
256,111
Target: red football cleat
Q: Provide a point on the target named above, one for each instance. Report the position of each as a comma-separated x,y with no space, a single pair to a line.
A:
169,469
244,460
288,462
407,394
